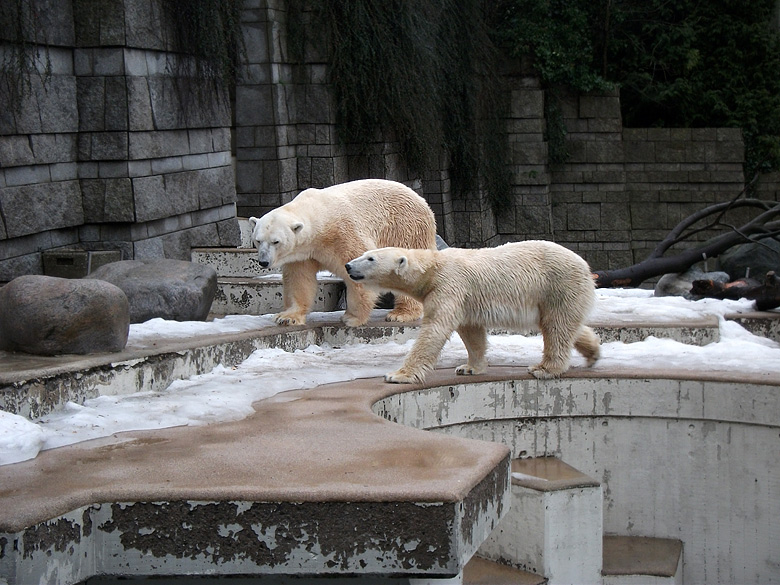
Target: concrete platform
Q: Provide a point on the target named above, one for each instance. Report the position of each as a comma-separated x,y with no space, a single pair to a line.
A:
314,483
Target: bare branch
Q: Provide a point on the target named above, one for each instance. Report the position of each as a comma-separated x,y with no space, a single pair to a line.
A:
763,226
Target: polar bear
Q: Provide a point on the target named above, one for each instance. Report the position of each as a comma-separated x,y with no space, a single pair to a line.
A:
324,228
523,286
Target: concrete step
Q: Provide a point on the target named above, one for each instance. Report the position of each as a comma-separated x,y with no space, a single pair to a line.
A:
263,295
554,527
630,560
480,571
231,262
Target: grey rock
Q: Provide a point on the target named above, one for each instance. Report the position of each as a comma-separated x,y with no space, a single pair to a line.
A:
46,315
169,289
760,258
680,284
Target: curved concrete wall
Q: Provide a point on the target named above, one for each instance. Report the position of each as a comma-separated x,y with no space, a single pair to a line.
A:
694,460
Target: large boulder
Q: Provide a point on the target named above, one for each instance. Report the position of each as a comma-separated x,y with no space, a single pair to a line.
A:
760,258
45,315
170,289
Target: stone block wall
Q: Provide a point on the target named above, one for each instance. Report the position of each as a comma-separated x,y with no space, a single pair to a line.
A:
115,151
286,131
619,193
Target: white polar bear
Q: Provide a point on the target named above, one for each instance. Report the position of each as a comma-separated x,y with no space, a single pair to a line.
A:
324,228
524,286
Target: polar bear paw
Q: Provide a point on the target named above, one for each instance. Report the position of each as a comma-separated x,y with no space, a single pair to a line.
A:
469,370
352,321
400,378
403,316
290,318
541,373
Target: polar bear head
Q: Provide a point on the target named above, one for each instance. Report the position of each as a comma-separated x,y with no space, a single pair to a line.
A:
278,237
393,269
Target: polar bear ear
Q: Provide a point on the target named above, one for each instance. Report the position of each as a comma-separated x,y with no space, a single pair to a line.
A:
296,227
401,264
253,222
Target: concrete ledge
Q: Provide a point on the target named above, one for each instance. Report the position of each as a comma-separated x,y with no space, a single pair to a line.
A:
263,295
33,386
546,474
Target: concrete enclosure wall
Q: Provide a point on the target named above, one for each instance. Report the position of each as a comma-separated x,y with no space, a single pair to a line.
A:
691,460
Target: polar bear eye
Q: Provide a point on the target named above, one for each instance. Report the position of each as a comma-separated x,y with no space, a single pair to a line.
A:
370,258
275,243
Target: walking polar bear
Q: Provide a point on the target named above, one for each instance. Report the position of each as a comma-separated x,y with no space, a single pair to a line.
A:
524,286
324,228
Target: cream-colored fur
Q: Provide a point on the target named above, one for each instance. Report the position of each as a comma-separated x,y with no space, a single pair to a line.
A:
325,228
524,286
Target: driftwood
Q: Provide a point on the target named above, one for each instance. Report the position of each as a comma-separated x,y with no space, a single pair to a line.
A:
766,295
765,224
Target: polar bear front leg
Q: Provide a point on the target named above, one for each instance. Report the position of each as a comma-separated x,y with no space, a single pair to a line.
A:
299,281
360,303
423,355
475,339
406,309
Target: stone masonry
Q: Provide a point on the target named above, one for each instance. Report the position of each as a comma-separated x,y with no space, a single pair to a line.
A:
619,193
114,153
107,154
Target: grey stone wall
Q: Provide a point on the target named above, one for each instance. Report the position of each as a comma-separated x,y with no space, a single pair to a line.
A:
619,193
286,132
622,189
114,151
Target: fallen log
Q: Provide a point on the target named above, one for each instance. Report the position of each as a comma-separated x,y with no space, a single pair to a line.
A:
766,295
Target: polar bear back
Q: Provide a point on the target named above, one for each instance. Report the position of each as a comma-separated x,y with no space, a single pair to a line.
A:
387,212
510,285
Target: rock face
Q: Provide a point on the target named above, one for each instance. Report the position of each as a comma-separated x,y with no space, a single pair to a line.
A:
45,315
170,289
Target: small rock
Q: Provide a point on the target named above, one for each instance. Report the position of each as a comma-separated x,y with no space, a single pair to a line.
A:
169,289
46,315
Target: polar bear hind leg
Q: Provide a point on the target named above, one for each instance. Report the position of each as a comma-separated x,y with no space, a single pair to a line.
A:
475,339
587,343
406,309
558,335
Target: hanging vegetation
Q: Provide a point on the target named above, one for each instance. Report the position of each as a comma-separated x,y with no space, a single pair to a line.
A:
24,55
678,64
423,73
209,31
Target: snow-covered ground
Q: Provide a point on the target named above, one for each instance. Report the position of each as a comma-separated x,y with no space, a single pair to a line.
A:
227,394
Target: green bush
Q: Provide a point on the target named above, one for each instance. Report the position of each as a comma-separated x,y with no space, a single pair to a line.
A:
678,64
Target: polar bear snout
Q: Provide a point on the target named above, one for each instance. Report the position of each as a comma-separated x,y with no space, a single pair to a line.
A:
353,272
